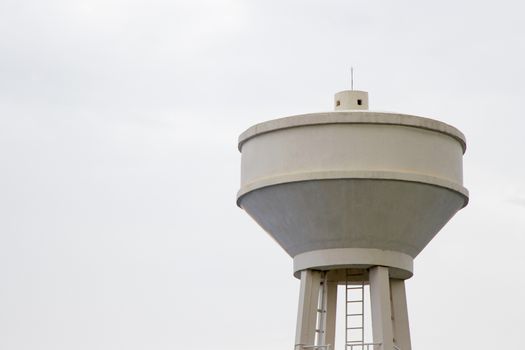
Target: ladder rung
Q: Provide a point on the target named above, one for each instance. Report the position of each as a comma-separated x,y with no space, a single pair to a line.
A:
360,287
354,342
354,301
354,314
355,328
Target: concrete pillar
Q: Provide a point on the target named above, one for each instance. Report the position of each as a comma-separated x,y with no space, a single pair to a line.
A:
381,308
307,313
400,314
331,309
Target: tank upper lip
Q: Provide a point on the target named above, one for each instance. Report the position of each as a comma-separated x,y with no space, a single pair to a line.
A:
353,117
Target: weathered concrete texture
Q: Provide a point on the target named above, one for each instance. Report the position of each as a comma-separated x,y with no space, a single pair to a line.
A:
352,213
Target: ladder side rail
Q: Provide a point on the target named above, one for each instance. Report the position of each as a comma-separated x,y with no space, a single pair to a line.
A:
321,313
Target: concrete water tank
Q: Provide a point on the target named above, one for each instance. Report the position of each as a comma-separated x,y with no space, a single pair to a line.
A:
352,189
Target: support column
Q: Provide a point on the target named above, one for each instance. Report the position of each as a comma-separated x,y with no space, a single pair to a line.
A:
331,309
381,307
307,313
400,314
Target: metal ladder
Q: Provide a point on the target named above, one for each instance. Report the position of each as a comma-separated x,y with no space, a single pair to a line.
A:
320,329
355,311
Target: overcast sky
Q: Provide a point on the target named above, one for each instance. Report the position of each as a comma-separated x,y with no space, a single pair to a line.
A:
119,165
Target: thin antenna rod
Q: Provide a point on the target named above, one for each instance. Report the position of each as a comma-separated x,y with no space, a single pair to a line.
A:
352,77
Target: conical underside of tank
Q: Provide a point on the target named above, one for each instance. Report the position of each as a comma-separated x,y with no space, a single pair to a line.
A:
381,214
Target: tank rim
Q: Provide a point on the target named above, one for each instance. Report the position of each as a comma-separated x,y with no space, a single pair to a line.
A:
352,117
353,175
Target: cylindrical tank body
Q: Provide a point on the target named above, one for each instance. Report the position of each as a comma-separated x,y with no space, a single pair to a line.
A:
352,188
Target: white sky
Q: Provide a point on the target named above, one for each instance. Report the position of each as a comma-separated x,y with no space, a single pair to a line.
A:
119,166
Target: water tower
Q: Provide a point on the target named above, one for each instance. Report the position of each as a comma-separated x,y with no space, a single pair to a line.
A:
353,196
